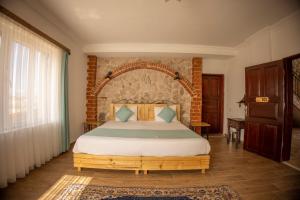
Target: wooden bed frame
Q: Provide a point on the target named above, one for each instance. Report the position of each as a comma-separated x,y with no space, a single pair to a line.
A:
142,163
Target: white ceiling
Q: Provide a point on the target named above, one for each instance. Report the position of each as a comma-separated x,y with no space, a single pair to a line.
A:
202,22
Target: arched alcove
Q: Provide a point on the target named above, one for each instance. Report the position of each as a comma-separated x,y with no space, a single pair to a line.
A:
143,65
145,86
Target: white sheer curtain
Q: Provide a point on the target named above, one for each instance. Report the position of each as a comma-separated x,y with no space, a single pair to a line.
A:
30,86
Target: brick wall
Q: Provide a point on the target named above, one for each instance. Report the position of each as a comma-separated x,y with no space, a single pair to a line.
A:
91,98
196,103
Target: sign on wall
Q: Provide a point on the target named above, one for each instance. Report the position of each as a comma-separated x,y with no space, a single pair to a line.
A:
262,99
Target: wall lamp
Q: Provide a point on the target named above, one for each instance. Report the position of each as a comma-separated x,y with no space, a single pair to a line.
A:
242,101
108,75
177,76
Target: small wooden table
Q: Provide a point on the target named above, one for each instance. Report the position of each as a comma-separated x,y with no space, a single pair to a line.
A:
203,125
238,124
90,125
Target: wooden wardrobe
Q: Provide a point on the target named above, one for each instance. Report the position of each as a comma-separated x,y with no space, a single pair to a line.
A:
265,101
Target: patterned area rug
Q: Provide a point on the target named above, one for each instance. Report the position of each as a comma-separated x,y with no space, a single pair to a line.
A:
78,187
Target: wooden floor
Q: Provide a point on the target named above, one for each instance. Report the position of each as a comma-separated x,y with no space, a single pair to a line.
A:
252,176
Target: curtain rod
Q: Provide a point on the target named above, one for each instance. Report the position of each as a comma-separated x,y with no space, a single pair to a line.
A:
32,28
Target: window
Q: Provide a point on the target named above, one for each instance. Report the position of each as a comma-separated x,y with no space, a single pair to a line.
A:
18,79
30,78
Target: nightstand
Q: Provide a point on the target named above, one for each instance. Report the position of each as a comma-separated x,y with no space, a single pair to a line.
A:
202,125
90,125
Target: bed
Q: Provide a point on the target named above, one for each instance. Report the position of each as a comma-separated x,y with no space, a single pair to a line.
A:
144,144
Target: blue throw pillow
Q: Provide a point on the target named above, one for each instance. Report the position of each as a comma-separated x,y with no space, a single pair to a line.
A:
124,114
167,114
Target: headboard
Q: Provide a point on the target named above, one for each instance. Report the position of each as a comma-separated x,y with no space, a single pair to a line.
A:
145,112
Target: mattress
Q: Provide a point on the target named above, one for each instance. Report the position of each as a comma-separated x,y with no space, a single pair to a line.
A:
142,138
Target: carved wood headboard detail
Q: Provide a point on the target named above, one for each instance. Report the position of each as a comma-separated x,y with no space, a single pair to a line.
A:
145,112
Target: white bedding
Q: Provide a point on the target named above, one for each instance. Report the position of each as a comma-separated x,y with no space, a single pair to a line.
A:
142,146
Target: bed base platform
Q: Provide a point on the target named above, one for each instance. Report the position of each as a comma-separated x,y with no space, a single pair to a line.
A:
141,163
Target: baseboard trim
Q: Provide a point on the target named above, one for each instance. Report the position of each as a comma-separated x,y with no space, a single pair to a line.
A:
292,166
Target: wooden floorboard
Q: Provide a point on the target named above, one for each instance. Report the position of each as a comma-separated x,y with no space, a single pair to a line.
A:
252,176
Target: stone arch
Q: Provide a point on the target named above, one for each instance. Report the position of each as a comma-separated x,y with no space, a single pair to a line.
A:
142,65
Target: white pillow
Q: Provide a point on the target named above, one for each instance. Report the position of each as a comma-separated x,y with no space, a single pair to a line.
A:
157,110
133,108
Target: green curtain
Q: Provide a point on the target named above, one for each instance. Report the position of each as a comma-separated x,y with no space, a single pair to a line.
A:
65,137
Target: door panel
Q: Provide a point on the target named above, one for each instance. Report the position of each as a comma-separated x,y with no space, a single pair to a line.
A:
269,137
263,110
212,101
253,86
211,105
274,86
271,81
252,140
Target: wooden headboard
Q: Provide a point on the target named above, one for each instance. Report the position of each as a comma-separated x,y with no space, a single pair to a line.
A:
145,112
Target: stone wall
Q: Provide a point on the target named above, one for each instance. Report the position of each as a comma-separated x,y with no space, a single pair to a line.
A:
145,85
296,66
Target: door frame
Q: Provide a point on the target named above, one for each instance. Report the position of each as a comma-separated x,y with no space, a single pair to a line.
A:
288,109
222,99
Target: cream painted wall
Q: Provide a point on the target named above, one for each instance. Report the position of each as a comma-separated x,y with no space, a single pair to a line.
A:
285,37
271,43
77,61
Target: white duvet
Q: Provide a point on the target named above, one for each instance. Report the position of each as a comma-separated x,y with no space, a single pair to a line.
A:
97,145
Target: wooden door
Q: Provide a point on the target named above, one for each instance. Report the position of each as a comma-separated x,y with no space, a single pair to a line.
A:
212,101
264,120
